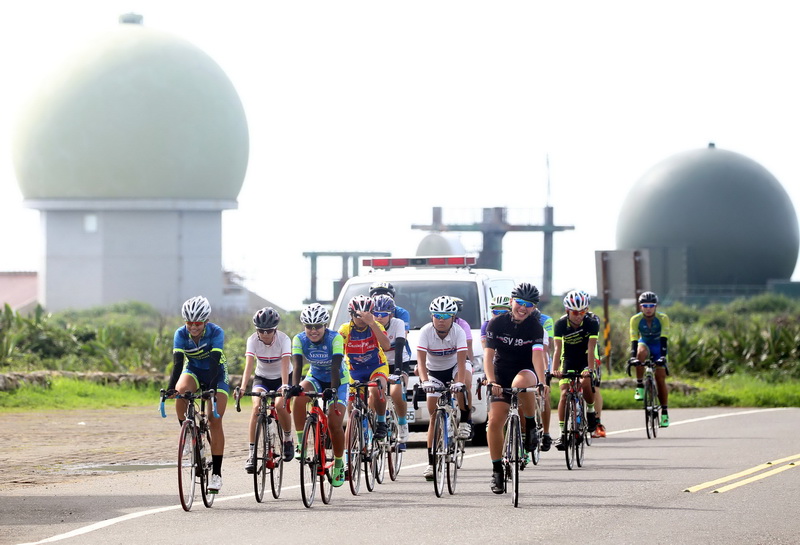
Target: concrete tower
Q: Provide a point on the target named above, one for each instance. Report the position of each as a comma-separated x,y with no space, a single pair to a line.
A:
131,152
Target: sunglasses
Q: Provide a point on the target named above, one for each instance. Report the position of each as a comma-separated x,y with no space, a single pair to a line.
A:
648,305
523,303
442,315
195,323
315,326
499,311
265,331
381,314
577,311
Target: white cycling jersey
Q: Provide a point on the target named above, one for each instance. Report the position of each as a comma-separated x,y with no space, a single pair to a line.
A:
442,353
268,356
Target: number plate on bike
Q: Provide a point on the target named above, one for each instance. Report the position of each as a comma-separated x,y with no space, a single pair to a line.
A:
410,416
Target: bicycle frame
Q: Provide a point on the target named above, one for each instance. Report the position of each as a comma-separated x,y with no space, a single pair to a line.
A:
446,445
576,426
652,405
362,448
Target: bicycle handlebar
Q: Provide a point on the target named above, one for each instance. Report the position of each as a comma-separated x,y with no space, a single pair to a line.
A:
189,396
274,394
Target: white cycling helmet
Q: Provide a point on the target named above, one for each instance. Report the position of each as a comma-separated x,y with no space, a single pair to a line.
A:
500,301
443,304
196,309
314,314
577,300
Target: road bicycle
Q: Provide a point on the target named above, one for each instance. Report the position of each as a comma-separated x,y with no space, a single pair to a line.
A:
652,405
361,447
194,446
268,446
316,450
513,447
536,453
576,426
447,448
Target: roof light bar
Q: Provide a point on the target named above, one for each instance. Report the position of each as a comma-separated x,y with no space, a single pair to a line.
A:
426,261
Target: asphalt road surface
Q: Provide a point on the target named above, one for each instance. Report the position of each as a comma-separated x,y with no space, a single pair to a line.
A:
740,466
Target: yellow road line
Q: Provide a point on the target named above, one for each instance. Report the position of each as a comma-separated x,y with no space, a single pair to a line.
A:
754,478
740,474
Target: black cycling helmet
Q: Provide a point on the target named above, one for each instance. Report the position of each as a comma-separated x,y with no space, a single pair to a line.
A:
381,288
526,291
648,297
266,318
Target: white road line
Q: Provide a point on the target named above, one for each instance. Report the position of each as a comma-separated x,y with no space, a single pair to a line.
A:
131,516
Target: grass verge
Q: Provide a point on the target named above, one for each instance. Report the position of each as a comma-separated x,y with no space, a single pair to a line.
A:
68,393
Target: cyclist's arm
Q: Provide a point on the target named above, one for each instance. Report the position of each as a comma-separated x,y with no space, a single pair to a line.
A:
590,350
557,356
399,346
298,369
488,363
461,363
177,366
248,370
664,347
285,364
539,363
422,369
216,358
336,369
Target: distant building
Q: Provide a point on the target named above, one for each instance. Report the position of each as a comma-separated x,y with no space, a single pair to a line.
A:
131,152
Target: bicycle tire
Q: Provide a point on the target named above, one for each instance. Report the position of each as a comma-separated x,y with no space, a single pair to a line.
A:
308,462
439,453
517,455
205,464
651,406
371,448
260,457
326,466
187,465
569,431
587,437
276,460
381,447
536,454
395,455
452,455
583,431
355,445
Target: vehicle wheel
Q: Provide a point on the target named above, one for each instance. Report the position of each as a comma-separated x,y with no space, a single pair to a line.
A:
261,455
308,462
355,446
205,463
187,465
439,453
326,478
276,458
517,454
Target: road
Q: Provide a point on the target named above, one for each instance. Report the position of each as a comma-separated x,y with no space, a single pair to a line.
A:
631,490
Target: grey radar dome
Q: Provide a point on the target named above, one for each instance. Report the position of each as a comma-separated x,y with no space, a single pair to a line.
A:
137,114
438,244
734,219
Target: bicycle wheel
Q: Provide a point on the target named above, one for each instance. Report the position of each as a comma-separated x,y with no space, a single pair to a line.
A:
587,437
204,440
517,454
394,456
452,455
354,446
651,408
260,457
275,458
326,467
536,455
439,452
187,465
381,448
371,451
569,431
583,432
309,461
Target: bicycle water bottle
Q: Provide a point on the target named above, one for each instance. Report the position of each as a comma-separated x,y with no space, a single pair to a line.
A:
202,449
578,412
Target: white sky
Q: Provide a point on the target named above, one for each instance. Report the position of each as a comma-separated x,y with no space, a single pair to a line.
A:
365,115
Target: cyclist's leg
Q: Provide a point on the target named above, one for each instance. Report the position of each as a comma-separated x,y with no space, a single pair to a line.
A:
186,383
336,412
308,384
377,400
642,353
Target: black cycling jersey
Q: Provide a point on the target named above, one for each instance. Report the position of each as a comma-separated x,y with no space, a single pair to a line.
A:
575,341
513,344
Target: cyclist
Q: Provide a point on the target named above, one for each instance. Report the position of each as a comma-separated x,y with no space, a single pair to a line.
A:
268,351
470,355
327,373
383,308
442,358
547,325
364,343
386,288
500,304
199,362
513,358
575,336
600,430
649,334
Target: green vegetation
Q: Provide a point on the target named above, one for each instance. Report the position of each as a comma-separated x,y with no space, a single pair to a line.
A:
744,353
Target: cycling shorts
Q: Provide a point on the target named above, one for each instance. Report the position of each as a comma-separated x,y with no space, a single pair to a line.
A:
367,373
203,376
505,376
440,378
319,386
653,347
267,384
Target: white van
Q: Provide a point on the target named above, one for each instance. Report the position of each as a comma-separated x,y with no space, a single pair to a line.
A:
417,282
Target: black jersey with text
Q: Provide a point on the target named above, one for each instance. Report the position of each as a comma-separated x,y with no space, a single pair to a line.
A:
514,343
575,340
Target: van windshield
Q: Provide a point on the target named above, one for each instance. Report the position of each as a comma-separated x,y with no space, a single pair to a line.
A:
416,295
